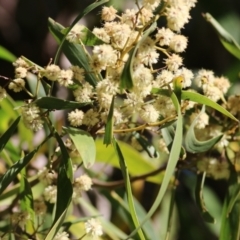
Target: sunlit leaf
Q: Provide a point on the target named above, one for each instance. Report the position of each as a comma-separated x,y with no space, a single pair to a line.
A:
6,136
6,55
126,81
137,165
225,37
84,144
52,103
196,97
125,174
26,196
192,144
172,162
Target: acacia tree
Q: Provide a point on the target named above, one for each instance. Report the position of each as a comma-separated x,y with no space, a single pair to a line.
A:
136,107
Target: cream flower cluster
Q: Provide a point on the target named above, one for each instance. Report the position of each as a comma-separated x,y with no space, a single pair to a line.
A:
120,34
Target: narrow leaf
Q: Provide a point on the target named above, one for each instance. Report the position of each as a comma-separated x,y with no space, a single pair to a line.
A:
84,144
80,15
193,145
128,189
126,81
196,97
64,185
26,196
172,162
226,38
55,227
200,200
74,52
230,223
6,55
108,135
12,172
6,136
52,103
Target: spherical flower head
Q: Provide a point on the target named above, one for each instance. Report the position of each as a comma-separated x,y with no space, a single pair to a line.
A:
50,194
65,77
17,85
217,169
31,117
40,208
204,77
173,62
83,94
51,72
62,236
163,78
233,104
90,118
76,118
133,103
151,4
177,17
162,146
164,36
106,55
20,62
3,93
20,72
222,84
129,17
178,43
20,218
187,76
78,73
149,114
76,33
47,176
108,13
102,34
146,15
83,182
93,228
202,120
212,92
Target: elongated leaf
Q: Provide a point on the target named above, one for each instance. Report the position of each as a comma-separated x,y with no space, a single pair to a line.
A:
80,15
88,38
126,81
26,196
64,186
109,126
12,172
230,223
6,55
193,145
74,52
137,165
196,97
53,103
200,200
172,162
84,144
128,188
226,38
55,227
6,136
